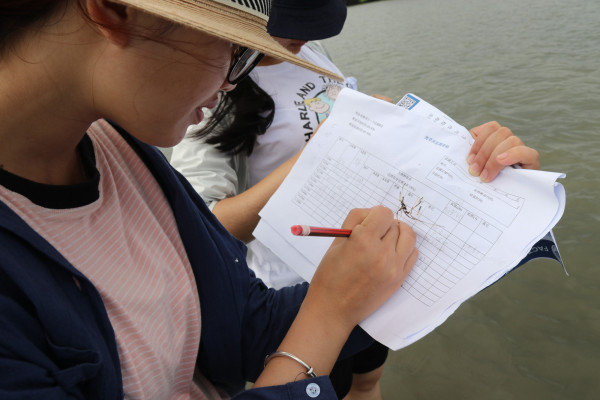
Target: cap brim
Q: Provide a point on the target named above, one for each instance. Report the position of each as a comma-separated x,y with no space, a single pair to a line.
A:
237,26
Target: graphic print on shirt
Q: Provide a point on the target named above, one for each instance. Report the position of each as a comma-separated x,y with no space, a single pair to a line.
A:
316,104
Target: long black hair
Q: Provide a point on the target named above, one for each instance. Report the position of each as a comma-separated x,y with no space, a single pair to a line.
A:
17,16
242,114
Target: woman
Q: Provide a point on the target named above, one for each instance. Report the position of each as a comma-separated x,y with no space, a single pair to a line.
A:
116,281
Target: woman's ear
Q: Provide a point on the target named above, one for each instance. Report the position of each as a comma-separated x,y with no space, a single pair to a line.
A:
111,19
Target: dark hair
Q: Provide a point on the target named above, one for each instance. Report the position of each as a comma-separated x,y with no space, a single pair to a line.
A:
17,16
242,114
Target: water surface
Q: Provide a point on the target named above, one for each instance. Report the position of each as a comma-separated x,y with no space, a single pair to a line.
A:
532,65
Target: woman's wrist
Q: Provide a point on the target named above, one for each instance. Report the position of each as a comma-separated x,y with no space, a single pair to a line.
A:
316,338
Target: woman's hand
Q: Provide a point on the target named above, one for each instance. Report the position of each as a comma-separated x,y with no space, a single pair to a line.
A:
360,273
496,147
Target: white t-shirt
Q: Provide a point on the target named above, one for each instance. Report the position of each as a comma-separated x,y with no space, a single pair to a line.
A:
291,88
302,100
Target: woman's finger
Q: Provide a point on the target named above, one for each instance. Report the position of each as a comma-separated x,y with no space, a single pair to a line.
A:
484,146
524,156
378,221
487,158
481,133
407,242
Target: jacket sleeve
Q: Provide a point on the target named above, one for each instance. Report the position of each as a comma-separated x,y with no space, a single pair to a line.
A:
268,315
319,388
212,173
247,319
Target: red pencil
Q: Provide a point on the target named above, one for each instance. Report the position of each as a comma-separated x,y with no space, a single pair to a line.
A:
305,230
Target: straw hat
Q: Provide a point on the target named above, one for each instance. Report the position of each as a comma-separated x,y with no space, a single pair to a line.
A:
242,22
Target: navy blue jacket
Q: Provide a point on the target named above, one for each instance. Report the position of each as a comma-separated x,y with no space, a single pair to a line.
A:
56,340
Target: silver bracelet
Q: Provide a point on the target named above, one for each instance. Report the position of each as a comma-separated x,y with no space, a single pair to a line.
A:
309,370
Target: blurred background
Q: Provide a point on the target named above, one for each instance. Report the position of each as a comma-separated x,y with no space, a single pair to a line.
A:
532,65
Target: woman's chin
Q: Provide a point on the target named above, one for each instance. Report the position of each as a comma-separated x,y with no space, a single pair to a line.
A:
168,138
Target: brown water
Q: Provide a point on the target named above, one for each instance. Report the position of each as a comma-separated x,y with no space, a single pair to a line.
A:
532,65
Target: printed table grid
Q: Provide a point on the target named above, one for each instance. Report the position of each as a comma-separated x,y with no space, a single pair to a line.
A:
448,239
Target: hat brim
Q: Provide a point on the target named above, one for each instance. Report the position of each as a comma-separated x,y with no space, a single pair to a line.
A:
229,23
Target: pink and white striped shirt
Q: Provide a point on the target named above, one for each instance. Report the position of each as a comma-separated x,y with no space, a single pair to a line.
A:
128,245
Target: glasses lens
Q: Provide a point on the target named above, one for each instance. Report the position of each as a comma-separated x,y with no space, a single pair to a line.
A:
244,61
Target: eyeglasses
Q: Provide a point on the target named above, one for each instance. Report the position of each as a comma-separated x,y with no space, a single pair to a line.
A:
243,61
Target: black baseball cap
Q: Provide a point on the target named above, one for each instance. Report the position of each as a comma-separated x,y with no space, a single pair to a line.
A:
306,19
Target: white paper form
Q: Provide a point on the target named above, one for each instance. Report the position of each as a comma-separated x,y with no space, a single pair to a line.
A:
469,234
417,105
435,116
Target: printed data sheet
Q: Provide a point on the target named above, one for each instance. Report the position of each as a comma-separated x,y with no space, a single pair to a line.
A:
411,158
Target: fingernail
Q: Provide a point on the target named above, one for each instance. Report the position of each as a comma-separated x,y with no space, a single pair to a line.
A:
484,176
474,169
470,158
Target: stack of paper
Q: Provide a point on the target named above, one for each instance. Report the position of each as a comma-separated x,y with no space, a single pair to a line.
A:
469,233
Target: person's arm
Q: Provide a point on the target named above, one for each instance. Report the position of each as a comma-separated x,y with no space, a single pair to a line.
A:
496,147
356,275
239,214
216,178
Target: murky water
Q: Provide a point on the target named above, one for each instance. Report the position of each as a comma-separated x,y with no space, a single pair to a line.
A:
532,65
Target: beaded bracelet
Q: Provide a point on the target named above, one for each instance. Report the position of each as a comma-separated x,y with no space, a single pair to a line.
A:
309,370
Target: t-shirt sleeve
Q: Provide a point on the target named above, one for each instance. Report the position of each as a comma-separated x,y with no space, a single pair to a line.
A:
210,171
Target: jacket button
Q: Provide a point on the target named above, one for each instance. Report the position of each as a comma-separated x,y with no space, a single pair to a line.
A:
313,390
